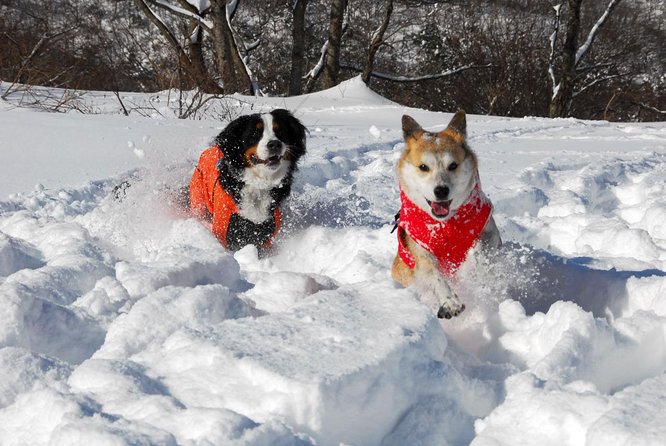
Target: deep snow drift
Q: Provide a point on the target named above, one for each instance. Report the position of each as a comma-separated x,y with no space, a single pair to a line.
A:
123,322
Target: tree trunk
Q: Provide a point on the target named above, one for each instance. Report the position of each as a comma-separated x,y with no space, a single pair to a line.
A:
297,48
227,58
376,42
560,104
199,72
329,77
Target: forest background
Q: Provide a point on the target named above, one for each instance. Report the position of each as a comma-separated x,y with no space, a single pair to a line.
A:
589,59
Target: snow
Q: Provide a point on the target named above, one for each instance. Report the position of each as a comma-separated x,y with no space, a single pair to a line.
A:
123,321
201,5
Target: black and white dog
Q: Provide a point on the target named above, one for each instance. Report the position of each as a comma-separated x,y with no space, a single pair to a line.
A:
240,182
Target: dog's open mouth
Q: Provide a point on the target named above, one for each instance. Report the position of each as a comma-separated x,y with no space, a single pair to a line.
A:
439,209
270,162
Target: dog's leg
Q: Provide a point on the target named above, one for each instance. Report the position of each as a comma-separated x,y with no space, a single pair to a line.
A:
402,273
428,281
490,237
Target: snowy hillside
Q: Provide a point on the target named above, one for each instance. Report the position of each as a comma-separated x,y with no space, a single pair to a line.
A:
123,322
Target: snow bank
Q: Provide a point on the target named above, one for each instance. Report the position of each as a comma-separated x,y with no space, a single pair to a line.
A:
304,366
123,322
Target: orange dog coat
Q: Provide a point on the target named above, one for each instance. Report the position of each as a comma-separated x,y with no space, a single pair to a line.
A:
211,204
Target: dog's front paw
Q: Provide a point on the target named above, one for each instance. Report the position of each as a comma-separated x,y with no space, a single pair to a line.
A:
450,309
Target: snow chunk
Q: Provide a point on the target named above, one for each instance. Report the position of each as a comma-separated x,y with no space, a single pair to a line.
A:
646,294
16,254
282,290
178,308
637,415
22,370
539,413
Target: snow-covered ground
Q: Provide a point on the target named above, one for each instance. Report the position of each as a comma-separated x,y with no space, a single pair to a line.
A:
123,322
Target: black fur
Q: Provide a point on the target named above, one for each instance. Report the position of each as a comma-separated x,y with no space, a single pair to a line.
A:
242,231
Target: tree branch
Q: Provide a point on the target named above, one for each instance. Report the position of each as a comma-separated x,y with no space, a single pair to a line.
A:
190,7
594,31
595,82
182,12
553,43
376,42
650,108
232,6
427,77
316,70
313,75
164,29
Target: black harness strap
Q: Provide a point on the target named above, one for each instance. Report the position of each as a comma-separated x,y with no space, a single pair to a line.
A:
395,222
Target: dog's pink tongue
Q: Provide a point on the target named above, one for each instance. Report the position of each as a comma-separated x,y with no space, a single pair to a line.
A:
440,209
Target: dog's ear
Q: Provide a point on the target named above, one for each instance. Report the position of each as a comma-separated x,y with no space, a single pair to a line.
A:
410,127
232,134
457,128
297,131
230,141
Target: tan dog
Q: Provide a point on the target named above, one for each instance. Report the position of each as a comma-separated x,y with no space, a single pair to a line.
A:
443,211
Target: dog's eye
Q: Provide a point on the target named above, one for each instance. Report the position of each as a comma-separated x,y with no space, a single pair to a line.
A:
453,166
424,168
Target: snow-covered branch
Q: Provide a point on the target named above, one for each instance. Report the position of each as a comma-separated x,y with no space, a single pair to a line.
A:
588,68
594,31
553,43
595,82
427,77
378,34
182,12
200,6
316,70
253,45
650,107
231,8
161,25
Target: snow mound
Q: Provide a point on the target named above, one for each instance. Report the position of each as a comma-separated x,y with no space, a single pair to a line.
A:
350,93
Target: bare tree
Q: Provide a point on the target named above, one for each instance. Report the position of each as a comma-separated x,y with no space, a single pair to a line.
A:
376,42
214,20
572,55
329,77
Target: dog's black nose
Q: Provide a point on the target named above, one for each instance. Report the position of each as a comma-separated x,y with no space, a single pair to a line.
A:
274,147
441,192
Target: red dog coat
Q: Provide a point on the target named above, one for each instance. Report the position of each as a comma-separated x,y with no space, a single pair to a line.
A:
449,240
211,203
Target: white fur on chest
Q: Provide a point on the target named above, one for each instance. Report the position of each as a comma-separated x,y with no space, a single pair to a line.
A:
255,198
